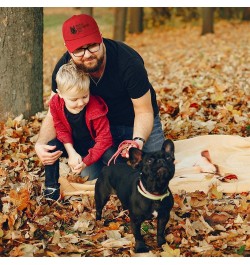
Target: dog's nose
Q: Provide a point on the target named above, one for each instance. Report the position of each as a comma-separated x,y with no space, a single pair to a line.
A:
161,161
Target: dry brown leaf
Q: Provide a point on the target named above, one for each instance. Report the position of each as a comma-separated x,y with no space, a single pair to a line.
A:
20,199
217,218
202,88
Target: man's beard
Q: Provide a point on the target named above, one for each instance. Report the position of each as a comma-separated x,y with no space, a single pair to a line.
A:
92,69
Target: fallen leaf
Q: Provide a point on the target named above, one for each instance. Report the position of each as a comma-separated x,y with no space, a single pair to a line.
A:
20,199
170,252
229,178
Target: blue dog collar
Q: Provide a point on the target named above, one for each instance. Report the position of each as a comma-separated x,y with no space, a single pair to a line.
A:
149,195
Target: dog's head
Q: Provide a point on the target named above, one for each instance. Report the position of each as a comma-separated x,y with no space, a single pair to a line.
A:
157,168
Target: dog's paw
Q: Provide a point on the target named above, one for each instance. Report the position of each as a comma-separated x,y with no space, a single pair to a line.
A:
161,240
141,247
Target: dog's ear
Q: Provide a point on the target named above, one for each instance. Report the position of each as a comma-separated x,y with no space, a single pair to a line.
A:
135,156
168,147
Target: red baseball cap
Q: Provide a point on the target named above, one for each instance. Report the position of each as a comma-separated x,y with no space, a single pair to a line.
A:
80,30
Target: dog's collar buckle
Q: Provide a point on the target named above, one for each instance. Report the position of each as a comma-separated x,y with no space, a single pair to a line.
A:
149,195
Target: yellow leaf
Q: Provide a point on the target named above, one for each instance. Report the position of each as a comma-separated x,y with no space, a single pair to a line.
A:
229,107
248,244
237,112
214,193
1,232
218,97
169,252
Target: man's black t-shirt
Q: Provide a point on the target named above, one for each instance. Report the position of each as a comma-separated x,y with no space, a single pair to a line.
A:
125,77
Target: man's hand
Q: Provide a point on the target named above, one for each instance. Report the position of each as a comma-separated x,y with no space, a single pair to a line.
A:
125,146
44,154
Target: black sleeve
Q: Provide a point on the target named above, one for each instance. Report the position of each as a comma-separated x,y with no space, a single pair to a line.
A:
64,59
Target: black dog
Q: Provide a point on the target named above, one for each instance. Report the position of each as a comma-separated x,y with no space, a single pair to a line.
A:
142,188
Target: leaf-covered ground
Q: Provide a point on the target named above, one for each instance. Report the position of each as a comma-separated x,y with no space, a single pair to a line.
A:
203,87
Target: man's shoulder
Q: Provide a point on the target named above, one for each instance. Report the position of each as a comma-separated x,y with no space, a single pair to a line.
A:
120,48
121,54
64,59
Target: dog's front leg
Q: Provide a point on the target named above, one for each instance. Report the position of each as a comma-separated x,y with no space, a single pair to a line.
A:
140,245
161,225
101,196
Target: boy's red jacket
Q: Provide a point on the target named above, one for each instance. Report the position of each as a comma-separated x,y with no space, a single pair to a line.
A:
96,120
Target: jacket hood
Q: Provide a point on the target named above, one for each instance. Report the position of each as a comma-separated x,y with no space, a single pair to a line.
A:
96,107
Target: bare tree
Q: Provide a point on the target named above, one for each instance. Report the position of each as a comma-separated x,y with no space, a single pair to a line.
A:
246,14
87,10
120,23
21,63
207,20
135,19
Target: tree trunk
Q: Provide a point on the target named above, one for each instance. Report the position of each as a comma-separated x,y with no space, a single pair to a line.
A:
21,63
120,23
207,20
87,10
246,14
136,19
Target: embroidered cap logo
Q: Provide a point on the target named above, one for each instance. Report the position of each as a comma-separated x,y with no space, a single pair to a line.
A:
73,30
80,30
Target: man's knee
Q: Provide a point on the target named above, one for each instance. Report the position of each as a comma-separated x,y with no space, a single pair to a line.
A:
55,142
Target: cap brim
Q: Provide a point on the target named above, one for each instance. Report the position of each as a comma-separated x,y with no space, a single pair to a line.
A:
72,45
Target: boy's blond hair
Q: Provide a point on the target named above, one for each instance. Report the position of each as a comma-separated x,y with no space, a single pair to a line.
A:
68,77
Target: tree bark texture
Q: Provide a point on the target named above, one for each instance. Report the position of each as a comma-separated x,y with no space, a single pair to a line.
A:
120,23
21,61
246,14
207,20
135,19
87,10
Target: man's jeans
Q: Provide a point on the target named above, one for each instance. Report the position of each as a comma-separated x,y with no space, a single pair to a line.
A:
119,133
154,142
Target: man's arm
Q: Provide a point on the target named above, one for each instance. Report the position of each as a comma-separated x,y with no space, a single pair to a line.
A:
144,117
47,130
47,133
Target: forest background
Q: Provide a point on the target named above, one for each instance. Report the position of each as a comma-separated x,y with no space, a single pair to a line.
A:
202,84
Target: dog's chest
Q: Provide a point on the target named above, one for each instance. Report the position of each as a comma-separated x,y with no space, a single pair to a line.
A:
155,209
154,214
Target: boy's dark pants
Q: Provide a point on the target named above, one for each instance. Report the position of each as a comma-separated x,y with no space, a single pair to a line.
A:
52,171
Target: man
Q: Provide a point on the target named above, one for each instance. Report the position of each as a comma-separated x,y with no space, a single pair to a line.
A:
118,75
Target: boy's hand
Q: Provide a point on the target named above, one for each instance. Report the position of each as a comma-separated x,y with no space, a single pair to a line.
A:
79,168
74,160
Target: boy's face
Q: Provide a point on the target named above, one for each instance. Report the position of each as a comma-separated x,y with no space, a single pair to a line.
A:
75,100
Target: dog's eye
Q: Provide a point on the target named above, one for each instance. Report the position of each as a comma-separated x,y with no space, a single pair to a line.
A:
150,160
169,158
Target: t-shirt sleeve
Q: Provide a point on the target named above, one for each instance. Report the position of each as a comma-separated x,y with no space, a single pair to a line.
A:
136,79
64,59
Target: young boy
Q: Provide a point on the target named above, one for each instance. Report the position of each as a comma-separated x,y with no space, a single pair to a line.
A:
82,128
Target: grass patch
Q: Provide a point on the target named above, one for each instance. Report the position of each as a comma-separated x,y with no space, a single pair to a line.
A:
54,20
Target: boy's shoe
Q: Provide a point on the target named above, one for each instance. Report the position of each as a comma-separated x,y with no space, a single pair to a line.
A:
52,193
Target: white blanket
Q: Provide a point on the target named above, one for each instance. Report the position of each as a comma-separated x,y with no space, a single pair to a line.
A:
230,153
